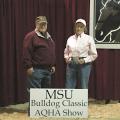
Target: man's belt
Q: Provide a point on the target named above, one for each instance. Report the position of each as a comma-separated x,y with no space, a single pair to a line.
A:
46,67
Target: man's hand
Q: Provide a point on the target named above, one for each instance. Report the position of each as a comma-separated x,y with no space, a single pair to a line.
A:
30,71
53,70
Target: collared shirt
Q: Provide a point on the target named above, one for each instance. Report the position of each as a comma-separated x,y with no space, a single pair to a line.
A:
40,35
81,46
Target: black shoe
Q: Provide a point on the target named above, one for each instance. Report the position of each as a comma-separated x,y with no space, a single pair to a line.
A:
107,101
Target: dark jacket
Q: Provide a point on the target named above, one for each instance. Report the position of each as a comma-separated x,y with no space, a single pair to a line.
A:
38,50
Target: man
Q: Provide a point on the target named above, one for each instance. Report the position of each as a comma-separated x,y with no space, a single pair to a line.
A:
39,55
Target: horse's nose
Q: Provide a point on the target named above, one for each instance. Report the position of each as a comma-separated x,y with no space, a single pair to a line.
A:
99,35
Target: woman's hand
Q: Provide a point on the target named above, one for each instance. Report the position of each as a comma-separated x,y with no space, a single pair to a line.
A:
81,61
68,60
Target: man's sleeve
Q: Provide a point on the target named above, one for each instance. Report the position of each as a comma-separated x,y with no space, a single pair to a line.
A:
27,52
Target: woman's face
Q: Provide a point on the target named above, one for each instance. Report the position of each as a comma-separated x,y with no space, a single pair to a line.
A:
79,28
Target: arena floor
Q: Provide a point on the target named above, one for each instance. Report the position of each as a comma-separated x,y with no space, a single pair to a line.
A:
98,110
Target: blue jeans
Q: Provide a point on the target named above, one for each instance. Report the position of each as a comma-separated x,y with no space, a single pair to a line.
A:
79,72
40,78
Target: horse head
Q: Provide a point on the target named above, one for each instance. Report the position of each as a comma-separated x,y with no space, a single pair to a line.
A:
108,20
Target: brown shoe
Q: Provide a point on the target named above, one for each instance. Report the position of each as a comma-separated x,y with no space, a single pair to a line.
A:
107,101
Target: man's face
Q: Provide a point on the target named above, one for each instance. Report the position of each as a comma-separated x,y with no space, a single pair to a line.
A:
41,27
79,28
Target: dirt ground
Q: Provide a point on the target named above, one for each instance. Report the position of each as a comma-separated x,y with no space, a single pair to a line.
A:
98,110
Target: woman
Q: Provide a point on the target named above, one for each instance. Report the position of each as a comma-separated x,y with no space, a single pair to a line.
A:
80,51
